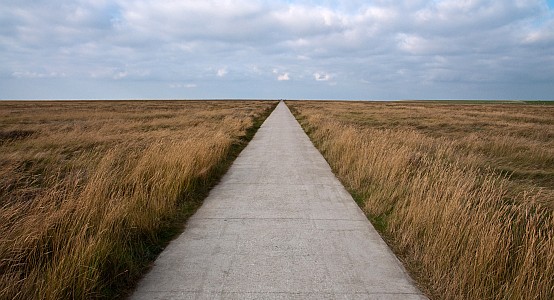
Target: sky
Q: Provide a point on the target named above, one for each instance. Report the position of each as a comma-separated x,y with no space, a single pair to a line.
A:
277,49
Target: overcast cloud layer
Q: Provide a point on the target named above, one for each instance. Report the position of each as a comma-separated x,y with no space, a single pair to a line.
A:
383,49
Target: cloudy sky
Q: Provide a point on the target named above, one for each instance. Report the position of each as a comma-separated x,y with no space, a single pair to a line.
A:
347,49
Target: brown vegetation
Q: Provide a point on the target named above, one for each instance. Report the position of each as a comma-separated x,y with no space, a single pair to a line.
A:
90,191
462,192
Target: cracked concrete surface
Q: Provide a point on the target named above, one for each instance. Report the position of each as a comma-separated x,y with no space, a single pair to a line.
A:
279,225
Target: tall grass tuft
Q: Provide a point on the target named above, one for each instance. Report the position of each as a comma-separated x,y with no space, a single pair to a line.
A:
89,232
458,225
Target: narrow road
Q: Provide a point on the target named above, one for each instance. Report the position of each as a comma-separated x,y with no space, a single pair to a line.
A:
278,226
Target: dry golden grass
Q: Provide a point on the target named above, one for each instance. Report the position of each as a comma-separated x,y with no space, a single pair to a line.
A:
462,192
90,191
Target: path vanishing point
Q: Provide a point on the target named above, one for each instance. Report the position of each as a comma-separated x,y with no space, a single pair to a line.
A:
279,225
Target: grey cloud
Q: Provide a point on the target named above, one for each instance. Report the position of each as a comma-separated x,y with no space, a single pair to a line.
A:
446,17
421,46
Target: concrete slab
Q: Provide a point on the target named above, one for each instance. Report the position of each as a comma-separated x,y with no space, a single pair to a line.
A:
278,226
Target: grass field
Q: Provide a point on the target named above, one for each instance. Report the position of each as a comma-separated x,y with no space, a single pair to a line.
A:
463,192
91,191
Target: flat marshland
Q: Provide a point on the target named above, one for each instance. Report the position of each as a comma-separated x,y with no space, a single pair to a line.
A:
91,190
463,192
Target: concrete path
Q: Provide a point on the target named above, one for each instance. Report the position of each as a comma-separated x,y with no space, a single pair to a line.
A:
278,226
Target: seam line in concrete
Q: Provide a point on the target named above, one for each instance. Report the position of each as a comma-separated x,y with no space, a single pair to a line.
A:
284,293
306,219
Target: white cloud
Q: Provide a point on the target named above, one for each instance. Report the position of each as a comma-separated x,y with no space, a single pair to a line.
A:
183,85
395,43
322,76
305,21
221,72
116,73
120,74
27,74
283,77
